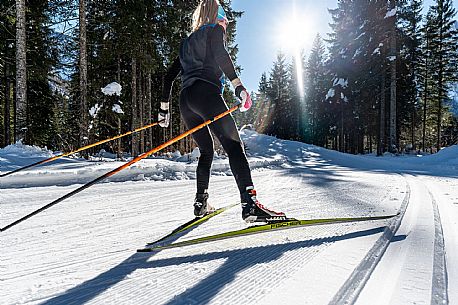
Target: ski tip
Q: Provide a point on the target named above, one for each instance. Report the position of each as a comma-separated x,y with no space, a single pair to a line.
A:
144,250
148,250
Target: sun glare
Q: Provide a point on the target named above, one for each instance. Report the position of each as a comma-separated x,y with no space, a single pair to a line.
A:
295,34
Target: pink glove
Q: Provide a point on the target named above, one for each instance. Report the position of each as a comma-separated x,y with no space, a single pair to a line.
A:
244,97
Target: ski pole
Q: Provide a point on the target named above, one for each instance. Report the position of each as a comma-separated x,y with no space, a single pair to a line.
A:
117,170
80,149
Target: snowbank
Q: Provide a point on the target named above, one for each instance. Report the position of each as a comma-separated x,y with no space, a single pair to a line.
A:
446,157
21,150
263,152
173,166
17,155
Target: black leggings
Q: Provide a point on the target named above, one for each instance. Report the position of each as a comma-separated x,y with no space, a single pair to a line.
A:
198,103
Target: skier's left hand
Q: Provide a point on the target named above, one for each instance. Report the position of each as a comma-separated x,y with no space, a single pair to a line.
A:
244,97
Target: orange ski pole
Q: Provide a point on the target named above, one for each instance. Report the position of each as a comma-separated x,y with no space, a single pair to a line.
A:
116,170
79,149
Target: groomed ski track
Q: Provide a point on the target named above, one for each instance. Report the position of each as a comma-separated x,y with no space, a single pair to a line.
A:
83,251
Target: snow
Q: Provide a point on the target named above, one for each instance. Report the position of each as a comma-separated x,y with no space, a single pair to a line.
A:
25,151
360,35
82,250
340,82
112,89
357,53
376,51
331,93
391,13
391,58
117,109
94,110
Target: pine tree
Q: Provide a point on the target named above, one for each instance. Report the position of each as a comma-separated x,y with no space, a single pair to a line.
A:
316,114
293,107
410,53
444,47
278,95
7,70
393,58
262,105
425,73
42,60
342,49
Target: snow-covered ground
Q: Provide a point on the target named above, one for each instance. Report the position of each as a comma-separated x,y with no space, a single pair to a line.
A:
83,250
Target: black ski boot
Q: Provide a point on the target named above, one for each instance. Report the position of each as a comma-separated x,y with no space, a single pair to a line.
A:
254,211
201,207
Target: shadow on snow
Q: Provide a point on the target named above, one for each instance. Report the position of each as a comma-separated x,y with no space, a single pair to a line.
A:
236,261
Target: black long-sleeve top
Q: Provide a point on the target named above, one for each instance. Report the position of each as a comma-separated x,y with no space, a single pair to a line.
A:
203,56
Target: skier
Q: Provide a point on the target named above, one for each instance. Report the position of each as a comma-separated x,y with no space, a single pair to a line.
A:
202,61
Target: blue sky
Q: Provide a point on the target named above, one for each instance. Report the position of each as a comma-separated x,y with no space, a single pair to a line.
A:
261,31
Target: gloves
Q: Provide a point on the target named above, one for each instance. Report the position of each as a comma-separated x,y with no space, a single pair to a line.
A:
242,94
244,97
164,115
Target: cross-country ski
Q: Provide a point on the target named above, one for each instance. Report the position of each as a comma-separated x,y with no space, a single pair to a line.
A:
281,225
220,152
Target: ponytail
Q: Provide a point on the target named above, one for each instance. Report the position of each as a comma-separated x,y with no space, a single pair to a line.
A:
205,13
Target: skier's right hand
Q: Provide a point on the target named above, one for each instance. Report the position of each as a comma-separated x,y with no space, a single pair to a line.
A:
242,94
164,115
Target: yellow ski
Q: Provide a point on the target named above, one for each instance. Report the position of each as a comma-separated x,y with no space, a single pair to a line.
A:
287,224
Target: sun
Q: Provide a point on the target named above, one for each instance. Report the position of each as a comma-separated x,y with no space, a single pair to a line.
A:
294,36
294,33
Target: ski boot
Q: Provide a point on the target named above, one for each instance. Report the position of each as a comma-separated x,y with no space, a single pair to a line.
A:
254,211
201,207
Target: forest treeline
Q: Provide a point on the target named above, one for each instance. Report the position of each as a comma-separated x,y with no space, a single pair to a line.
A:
381,81
57,55
384,80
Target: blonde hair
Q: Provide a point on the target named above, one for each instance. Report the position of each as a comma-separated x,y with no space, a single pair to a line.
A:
205,13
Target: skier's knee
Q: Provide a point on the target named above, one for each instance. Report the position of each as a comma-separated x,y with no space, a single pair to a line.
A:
206,154
233,148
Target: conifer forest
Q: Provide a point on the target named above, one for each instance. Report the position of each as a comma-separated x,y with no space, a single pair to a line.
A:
385,79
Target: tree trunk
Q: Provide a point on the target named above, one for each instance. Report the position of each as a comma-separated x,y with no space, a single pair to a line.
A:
425,98
119,142
370,143
412,130
440,76
134,107
148,111
382,119
21,72
439,113
141,103
7,114
83,74
393,58
341,142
